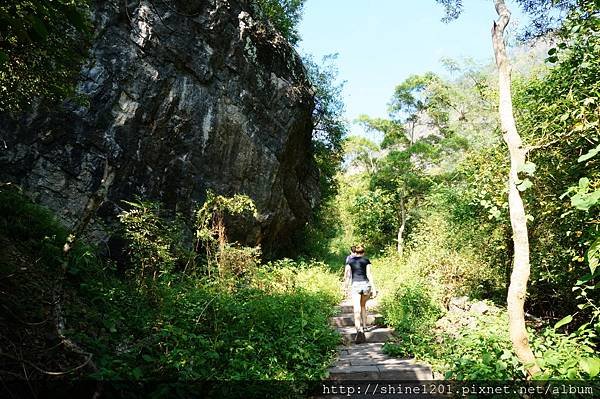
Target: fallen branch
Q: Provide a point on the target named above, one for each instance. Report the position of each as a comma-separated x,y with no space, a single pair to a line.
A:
534,318
41,370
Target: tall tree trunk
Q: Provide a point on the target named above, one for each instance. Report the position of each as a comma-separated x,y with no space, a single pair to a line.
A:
402,227
517,289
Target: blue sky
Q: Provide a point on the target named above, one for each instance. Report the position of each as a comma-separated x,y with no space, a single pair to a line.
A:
381,42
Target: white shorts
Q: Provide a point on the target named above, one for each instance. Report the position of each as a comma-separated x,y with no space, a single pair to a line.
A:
361,287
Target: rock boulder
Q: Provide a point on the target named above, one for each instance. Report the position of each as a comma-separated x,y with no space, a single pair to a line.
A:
180,97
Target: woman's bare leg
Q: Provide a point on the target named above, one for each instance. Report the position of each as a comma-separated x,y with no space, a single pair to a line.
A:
356,303
363,309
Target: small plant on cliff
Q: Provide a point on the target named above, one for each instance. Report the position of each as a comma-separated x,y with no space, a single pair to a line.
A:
150,240
285,16
211,235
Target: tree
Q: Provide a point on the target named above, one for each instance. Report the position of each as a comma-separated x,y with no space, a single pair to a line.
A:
393,131
517,289
329,127
400,170
421,99
361,153
285,16
42,45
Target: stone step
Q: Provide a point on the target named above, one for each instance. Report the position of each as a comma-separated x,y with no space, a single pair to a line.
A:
366,361
399,371
347,319
362,349
377,334
347,307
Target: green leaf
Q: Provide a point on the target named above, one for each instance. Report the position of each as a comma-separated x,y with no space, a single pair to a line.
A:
528,168
592,153
525,184
148,358
137,373
3,58
563,321
588,101
593,255
584,201
76,18
38,28
590,365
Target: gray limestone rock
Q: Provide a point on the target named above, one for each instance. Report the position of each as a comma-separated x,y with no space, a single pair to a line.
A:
182,97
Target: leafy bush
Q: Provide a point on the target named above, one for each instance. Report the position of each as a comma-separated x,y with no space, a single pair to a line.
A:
267,323
562,356
478,347
411,309
204,332
237,261
376,219
150,242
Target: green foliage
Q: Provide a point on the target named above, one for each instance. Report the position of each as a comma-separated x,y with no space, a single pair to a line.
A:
394,132
210,223
411,309
562,356
151,241
309,276
477,347
24,221
361,153
375,218
324,238
248,322
42,44
211,234
545,15
329,127
482,351
285,15
270,323
202,331
559,116
420,94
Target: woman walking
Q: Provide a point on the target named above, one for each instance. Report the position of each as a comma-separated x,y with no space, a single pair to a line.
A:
357,275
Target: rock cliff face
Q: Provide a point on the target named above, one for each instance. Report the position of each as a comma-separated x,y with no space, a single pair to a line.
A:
183,97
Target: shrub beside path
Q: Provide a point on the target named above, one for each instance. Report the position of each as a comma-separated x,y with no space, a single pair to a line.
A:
367,361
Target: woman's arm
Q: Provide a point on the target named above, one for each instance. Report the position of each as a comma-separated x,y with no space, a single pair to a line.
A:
347,277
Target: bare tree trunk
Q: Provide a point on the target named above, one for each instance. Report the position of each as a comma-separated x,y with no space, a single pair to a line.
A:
517,289
402,227
94,202
91,207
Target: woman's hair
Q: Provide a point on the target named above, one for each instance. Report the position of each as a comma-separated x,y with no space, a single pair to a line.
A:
359,249
353,249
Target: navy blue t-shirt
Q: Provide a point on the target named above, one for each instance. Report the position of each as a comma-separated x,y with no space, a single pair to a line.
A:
358,266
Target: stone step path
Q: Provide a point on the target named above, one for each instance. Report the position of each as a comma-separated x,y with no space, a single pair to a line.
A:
366,361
